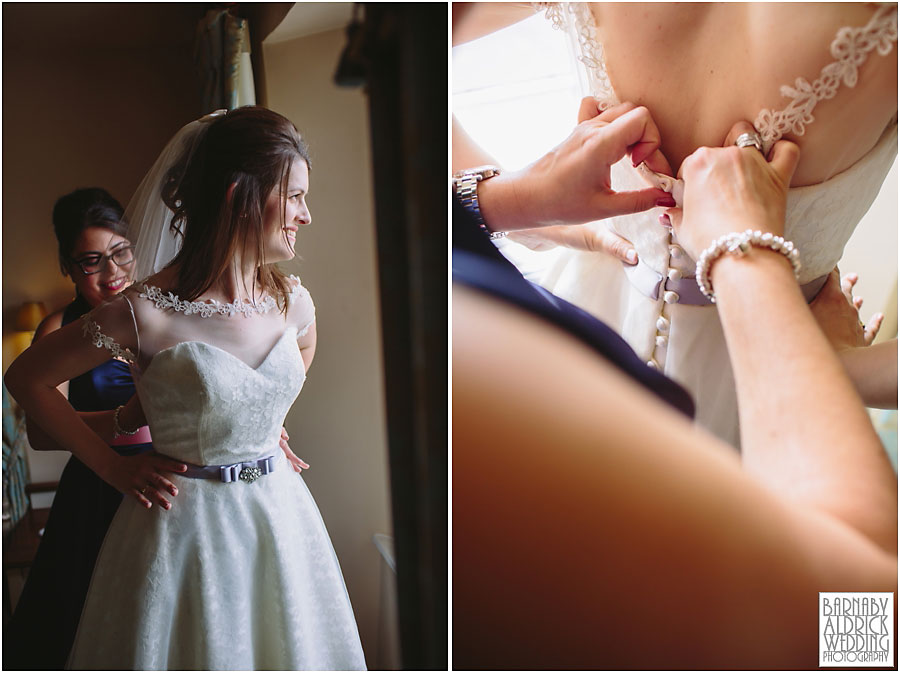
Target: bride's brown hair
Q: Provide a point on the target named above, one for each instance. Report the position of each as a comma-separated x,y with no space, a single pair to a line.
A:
253,149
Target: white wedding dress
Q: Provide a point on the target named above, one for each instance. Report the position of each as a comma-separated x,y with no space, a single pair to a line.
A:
238,575
684,340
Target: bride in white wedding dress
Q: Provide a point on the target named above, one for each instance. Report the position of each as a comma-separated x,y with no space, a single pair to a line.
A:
238,572
699,68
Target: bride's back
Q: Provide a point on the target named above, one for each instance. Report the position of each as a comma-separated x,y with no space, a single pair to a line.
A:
701,67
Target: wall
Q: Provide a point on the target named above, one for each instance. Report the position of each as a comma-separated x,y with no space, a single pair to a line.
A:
337,424
872,253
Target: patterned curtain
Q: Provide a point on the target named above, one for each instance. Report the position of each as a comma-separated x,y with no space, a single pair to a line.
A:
15,469
222,56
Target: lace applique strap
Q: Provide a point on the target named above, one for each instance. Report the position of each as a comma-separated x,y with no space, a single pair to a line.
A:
92,330
577,20
850,49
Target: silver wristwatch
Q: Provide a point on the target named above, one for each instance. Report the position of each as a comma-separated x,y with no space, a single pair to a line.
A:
465,184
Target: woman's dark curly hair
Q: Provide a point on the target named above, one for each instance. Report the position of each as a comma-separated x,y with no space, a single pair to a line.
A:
251,148
83,208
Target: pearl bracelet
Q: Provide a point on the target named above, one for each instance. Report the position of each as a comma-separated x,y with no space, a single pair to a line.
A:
117,429
739,244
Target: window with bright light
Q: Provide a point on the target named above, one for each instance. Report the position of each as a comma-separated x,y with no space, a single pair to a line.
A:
517,92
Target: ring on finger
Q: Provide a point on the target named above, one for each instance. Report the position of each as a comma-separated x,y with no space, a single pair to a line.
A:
749,140
143,490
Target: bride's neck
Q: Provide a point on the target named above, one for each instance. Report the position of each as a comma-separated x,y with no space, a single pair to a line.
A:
237,282
233,283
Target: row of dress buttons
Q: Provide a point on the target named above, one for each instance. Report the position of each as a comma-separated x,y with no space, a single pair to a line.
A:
658,356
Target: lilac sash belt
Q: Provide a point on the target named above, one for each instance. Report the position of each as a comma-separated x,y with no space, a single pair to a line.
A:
246,472
676,290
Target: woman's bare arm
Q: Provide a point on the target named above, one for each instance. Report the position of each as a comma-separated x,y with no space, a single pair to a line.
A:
32,379
582,502
581,499
570,184
307,345
804,431
101,422
873,369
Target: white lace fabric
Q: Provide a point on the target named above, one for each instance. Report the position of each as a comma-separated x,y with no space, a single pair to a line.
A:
205,309
92,330
576,19
145,321
850,49
235,576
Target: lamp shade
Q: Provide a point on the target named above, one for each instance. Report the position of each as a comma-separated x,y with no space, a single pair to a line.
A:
30,315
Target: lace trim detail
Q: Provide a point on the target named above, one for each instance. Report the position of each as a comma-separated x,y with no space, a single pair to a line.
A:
91,329
850,48
206,309
577,17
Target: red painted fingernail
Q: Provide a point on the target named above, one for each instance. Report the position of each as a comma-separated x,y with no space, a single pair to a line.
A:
666,202
665,221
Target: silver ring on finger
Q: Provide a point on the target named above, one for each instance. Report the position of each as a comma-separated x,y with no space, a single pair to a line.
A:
749,140
144,490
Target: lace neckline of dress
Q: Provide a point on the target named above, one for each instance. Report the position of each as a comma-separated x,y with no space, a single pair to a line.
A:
211,307
205,309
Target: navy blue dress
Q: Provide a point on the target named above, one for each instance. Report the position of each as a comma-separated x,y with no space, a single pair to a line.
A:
42,629
479,265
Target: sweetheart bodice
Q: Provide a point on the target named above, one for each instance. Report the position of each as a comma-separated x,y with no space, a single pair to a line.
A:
207,407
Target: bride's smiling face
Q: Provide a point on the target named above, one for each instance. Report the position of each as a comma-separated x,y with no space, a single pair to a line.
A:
281,232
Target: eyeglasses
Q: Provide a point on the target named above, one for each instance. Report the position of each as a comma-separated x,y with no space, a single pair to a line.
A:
92,264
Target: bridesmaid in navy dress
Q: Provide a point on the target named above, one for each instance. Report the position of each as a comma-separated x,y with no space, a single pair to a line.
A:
94,252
